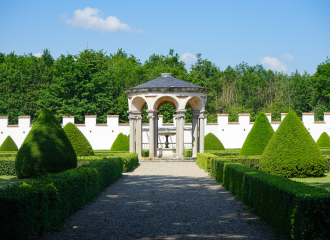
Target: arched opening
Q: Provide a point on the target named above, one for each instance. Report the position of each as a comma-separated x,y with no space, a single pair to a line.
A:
138,103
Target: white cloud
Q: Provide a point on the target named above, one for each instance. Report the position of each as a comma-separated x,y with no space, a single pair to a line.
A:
287,57
38,55
188,58
89,18
274,64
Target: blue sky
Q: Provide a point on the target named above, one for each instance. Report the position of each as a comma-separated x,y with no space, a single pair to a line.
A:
281,35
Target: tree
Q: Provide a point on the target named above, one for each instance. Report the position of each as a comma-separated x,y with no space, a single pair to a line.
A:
120,144
46,149
79,142
8,145
323,141
211,142
258,137
292,152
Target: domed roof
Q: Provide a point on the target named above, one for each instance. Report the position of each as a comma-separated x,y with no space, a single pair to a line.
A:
166,82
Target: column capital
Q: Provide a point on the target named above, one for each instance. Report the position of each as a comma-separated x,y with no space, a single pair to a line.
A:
180,116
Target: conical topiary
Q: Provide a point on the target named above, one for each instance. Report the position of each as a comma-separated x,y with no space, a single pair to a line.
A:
78,140
121,143
323,141
258,137
8,145
292,152
211,142
46,149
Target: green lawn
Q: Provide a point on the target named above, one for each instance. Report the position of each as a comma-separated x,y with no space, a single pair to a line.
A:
323,182
10,180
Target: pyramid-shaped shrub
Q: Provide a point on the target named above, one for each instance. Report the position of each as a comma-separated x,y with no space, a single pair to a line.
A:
78,140
46,149
258,137
8,145
323,141
121,143
211,142
292,152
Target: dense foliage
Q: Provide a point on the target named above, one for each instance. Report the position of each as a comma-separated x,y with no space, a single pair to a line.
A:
32,208
46,149
120,144
92,83
78,140
299,211
323,141
258,137
292,152
8,145
211,142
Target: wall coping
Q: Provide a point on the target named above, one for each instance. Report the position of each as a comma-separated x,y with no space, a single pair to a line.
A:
24,116
90,116
112,116
307,113
223,114
68,116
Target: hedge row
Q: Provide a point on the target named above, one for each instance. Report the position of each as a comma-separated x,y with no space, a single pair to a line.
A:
231,152
186,152
7,165
298,210
325,151
204,160
30,209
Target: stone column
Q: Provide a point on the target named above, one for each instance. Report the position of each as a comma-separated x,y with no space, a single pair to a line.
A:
194,133
156,133
181,116
201,132
132,133
139,136
152,128
177,136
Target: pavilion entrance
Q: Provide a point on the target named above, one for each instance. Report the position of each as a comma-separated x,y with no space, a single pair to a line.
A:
166,89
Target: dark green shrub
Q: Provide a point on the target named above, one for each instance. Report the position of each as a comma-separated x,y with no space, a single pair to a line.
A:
323,141
187,152
30,209
121,143
298,210
7,166
211,142
8,145
203,160
145,152
46,149
78,140
292,152
258,137
325,151
221,153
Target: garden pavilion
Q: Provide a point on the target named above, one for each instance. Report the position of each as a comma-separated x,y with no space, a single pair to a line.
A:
155,93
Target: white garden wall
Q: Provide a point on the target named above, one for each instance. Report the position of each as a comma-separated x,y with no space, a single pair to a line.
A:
101,136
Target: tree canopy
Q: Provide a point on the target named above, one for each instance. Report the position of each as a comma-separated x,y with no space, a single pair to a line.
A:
93,83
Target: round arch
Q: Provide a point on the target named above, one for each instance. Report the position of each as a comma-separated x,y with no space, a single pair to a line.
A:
138,103
165,99
195,103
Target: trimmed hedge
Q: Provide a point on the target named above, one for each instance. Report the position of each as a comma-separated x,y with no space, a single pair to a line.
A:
258,137
325,151
7,165
30,209
46,149
298,210
211,142
203,160
323,141
227,152
78,140
292,152
187,152
121,143
8,145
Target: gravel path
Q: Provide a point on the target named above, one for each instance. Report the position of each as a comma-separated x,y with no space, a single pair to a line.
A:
165,200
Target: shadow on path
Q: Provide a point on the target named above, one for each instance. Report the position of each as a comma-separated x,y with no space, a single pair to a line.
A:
145,206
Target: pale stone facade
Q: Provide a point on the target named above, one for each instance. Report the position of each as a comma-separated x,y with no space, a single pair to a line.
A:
154,94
